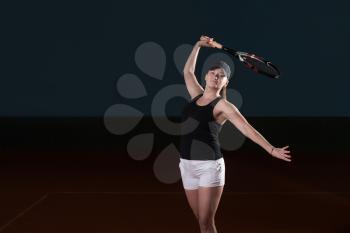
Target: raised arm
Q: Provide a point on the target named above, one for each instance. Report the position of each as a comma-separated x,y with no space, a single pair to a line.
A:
193,87
235,117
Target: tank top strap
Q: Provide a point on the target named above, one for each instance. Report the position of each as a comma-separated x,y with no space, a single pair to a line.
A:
215,101
196,98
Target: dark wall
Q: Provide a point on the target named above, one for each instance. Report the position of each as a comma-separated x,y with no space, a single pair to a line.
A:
64,58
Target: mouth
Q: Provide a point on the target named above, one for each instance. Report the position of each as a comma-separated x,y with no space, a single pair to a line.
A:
215,83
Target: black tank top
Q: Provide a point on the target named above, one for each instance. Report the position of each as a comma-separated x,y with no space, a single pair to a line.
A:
199,134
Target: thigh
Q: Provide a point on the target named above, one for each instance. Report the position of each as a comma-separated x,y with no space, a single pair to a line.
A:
208,201
192,198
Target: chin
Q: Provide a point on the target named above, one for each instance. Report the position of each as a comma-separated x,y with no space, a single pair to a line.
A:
214,85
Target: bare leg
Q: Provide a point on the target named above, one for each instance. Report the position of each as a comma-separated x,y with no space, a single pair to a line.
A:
208,202
192,198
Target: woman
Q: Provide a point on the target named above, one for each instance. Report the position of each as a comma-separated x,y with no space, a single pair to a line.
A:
202,165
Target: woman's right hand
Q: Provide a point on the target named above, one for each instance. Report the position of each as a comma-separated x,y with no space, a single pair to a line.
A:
205,38
206,41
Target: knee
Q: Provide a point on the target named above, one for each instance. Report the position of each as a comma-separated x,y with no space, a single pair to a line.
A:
205,223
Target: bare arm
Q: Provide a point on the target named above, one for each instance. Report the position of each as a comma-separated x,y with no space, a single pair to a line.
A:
192,59
236,118
193,87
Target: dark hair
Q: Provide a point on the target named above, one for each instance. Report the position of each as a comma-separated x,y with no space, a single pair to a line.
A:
222,65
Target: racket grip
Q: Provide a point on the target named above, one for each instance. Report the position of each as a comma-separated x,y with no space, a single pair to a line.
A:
229,50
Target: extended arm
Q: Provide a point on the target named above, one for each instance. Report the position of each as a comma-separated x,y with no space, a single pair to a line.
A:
236,118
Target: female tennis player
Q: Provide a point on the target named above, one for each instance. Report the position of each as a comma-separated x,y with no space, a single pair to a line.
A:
202,165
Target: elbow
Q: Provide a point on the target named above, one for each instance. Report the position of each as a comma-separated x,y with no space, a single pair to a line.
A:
188,73
246,134
188,69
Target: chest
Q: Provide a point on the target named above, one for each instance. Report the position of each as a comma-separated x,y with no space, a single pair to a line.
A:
201,113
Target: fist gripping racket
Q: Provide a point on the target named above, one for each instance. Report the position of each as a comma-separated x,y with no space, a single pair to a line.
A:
251,61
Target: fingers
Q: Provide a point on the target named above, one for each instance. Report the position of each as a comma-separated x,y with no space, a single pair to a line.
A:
283,154
208,41
206,38
283,149
287,152
284,157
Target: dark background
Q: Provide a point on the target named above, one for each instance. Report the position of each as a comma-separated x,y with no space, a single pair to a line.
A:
62,58
60,61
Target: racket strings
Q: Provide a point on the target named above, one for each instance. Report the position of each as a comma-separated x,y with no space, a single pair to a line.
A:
260,66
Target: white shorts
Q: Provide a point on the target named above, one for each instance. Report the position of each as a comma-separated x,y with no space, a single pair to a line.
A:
203,173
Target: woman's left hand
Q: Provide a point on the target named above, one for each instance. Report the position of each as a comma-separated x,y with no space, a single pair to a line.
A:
281,153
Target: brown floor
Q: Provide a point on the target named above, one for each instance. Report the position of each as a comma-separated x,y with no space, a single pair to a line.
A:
168,212
92,192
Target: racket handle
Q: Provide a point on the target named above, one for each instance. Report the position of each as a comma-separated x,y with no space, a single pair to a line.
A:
229,50
226,49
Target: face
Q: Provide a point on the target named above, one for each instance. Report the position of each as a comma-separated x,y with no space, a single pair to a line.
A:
216,78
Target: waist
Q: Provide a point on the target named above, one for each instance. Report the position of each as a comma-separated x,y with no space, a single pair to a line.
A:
197,162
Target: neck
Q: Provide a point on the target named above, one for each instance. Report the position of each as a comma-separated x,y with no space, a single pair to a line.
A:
210,93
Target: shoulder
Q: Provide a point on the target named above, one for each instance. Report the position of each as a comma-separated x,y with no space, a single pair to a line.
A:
226,106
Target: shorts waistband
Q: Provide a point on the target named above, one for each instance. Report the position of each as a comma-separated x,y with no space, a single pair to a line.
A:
200,161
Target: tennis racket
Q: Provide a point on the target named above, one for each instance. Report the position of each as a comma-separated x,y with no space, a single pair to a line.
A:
251,61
